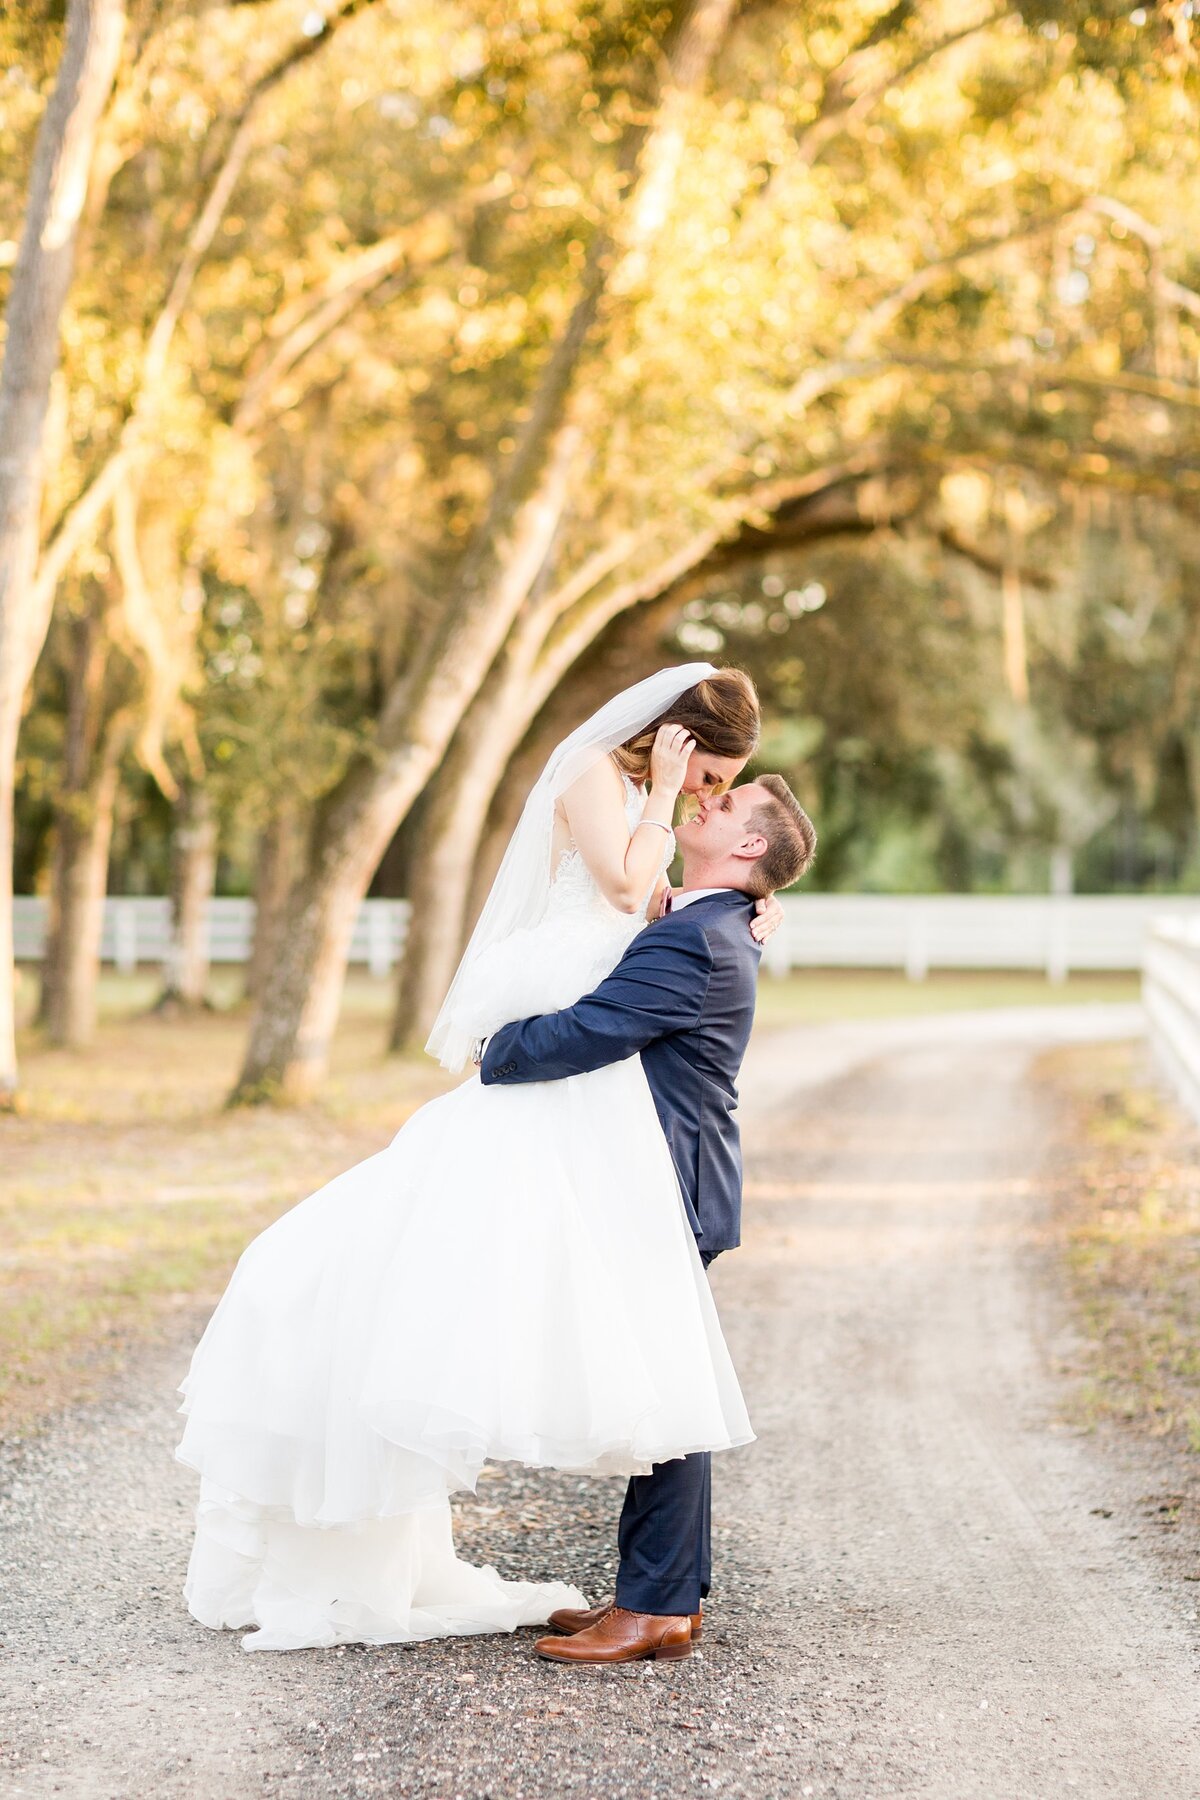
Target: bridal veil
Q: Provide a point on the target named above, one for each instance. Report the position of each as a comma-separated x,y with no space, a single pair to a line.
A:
521,890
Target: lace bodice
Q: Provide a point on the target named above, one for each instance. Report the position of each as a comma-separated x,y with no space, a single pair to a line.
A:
580,940
574,885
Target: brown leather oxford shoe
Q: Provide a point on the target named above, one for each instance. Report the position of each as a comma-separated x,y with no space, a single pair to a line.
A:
570,1619
619,1637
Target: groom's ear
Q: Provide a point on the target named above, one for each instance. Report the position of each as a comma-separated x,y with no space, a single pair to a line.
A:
752,847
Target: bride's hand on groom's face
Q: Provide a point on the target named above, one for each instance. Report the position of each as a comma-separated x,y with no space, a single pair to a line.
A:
768,917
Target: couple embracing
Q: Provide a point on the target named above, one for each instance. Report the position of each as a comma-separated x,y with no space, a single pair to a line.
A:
520,1275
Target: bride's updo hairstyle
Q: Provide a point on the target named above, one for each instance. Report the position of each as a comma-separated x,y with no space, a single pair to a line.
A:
721,713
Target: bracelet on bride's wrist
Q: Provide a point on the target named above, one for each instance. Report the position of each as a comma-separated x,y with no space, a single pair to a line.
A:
657,822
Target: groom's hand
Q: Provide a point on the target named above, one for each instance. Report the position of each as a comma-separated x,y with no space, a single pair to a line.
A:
768,917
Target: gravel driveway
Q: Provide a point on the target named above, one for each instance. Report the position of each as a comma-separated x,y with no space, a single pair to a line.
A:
928,1584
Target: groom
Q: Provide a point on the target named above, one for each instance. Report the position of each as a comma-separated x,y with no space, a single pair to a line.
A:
683,996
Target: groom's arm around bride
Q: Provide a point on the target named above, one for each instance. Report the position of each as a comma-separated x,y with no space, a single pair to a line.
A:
683,998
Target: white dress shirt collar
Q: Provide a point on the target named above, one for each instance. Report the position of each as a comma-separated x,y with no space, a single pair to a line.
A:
690,894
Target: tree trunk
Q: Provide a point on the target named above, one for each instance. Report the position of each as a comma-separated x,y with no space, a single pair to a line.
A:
298,1006
1012,599
445,897
491,729
95,738
278,854
434,938
622,652
40,284
80,878
440,891
297,1009
193,873
569,649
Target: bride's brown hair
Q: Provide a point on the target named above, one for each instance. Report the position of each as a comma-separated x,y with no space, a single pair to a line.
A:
721,713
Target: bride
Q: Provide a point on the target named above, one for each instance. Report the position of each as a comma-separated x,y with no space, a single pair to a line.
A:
469,1292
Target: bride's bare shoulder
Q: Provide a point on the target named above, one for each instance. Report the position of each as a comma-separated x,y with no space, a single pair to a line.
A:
600,790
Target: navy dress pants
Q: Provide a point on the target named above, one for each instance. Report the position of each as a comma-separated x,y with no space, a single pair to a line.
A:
665,1535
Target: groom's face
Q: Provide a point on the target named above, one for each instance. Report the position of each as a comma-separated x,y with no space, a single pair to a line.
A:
722,829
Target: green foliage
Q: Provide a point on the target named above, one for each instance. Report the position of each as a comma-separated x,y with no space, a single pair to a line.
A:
882,672
950,250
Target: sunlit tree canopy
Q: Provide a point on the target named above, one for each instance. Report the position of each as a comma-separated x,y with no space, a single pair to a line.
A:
900,300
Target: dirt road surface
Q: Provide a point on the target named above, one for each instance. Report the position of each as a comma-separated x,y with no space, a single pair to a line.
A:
929,1584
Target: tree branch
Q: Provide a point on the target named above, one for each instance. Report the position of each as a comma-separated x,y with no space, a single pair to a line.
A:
88,507
991,565
704,550
213,210
1150,387
858,496
892,305
846,110
331,303
503,556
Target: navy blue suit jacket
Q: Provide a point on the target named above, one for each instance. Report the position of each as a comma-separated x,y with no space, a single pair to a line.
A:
683,995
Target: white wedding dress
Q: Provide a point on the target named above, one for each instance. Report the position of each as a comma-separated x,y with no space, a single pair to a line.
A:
512,1278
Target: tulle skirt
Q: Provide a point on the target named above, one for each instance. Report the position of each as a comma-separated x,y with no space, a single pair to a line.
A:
513,1279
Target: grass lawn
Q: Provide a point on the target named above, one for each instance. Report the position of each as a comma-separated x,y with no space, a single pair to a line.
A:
1129,1221
127,1192
818,995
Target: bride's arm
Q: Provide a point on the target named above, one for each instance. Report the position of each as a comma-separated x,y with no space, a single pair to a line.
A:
625,867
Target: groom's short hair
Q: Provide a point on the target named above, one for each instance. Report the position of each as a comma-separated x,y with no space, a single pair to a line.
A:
791,838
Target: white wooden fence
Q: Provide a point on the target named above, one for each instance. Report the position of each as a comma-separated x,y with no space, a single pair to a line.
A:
1054,934
1051,933
1171,995
138,931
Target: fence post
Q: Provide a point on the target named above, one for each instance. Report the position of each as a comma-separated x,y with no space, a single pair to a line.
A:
379,937
125,944
1058,949
1171,996
916,944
